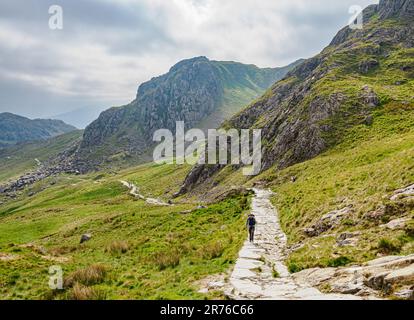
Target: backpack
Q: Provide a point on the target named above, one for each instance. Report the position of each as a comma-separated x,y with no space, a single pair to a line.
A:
251,221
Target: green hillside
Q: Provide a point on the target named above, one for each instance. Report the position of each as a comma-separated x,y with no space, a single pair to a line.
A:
16,160
137,250
338,133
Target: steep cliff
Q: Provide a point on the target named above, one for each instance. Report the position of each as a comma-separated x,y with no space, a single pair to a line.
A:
313,107
198,91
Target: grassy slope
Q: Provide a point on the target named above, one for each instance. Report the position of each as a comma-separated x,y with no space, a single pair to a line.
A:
364,165
363,174
370,162
166,251
240,88
16,160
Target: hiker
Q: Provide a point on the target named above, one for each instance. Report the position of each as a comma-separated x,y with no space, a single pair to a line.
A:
250,224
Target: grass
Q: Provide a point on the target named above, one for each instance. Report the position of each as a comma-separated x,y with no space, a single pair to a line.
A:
166,259
275,273
118,247
16,160
363,172
80,292
386,246
91,275
149,252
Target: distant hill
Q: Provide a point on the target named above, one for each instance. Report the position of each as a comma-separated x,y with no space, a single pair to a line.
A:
16,129
201,92
81,117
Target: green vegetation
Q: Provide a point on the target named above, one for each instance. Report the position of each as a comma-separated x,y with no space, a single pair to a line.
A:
16,160
363,172
137,250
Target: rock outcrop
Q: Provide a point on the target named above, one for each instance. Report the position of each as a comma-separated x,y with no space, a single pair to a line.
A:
200,92
383,276
311,109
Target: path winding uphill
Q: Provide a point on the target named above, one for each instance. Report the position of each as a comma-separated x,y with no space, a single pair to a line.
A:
134,191
259,272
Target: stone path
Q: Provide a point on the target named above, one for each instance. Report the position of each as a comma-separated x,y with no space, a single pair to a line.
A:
134,191
259,272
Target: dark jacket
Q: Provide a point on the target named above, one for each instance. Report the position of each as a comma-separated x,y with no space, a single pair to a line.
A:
251,221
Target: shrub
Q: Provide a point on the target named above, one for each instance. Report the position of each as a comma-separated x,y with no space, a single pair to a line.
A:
339,262
293,267
386,246
117,247
88,276
409,229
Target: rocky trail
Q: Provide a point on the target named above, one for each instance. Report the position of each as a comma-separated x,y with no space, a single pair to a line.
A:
134,191
260,272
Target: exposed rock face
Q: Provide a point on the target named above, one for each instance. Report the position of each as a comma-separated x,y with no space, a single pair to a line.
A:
404,194
310,110
377,277
327,222
191,91
396,8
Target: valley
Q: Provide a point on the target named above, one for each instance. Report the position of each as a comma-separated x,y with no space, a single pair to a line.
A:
334,201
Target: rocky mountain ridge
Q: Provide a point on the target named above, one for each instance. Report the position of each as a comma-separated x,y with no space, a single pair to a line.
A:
200,92
311,109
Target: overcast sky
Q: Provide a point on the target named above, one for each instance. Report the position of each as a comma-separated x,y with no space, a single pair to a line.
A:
108,47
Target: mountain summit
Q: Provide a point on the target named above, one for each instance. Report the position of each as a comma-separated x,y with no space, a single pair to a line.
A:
201,92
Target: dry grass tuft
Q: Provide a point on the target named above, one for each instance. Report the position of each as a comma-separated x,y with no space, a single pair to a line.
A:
167,259
88,276
212,250
81,292
117,247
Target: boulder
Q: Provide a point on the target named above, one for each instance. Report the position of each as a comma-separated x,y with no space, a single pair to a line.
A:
347,239
85,237
376,215
396,224
369,97
327,222
407,192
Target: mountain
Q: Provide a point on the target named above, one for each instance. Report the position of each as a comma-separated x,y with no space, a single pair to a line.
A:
80,118
313,108
15,129
201,92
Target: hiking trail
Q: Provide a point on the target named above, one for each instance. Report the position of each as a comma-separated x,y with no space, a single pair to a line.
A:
260,272
134,191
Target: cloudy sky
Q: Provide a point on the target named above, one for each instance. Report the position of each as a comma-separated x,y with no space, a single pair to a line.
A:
108,47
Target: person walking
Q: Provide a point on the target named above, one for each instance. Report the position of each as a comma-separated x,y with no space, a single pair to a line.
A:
251,224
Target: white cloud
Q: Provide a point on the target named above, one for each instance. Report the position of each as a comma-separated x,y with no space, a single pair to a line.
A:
108,47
